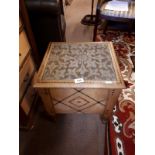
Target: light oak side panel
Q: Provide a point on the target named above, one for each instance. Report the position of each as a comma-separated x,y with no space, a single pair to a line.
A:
25,75
98,94
61,93
26,71
24,47
79,100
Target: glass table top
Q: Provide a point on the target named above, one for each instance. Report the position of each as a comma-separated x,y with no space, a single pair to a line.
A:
90,61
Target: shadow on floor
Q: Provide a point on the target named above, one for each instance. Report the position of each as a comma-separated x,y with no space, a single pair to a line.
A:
70,134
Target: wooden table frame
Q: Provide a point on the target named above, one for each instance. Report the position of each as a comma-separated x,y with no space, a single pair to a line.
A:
114,88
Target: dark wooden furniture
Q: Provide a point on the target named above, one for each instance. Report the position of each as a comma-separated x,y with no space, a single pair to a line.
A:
30,36
47,21
27,94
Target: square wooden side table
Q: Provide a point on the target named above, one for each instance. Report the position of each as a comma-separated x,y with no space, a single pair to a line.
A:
79,77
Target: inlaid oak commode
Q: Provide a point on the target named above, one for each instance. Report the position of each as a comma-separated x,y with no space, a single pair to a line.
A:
79,77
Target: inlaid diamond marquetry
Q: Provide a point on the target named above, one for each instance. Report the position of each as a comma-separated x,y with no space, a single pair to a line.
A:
79,101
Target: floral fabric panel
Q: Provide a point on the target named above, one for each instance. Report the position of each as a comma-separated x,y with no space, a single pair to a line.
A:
91,61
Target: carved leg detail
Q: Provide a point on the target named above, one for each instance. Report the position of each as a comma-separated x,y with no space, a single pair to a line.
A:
48,102
103,120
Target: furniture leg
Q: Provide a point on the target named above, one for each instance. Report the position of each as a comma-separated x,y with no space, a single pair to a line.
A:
103,120
48,102
96,24
130,26
105,26
112,99
89,19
